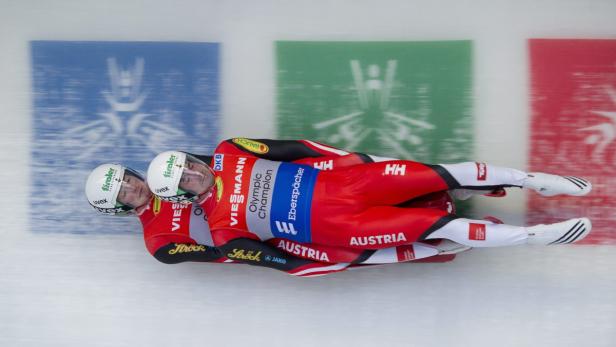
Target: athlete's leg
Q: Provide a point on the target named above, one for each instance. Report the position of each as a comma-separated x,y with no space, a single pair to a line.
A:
397,181
479,176
382,184
375,227
386,226
394,182
481,233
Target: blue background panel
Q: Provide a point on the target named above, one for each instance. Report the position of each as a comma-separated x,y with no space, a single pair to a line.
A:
97,102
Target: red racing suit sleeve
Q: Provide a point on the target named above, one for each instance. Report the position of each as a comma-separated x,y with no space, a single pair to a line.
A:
174,253
244,248
281,150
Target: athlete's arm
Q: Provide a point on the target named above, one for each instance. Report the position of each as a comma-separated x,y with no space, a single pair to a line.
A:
173,253
399,254
278,150
253,252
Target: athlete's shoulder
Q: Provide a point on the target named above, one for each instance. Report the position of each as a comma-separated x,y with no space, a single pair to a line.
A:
242,146
222,236
278,150
156,210
163,222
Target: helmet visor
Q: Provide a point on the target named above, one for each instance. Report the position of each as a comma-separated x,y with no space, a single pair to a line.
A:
197,177
133,191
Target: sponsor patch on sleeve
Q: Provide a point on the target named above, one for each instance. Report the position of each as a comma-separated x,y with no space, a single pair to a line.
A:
477,232
251,145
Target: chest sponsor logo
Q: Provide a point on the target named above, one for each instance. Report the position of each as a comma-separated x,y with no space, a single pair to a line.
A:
482,171
477,232
377,239
295,193
324,165
251,145
261,193
244,255
303,251
237,198
290,206
218,162
395,169
176,218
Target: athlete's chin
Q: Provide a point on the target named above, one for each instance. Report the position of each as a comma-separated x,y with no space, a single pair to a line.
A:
209,184
145,198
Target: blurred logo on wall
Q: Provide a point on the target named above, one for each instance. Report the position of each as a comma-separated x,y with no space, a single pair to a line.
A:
574,128
408,100
124,102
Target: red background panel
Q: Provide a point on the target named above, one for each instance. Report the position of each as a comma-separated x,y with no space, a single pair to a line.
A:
573,129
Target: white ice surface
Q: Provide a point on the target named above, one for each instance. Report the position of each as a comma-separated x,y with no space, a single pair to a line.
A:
71,290
105,291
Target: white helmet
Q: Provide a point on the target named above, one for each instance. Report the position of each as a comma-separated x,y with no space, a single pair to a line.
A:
103,186
165,172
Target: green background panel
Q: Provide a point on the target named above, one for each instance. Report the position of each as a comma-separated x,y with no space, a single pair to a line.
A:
408,100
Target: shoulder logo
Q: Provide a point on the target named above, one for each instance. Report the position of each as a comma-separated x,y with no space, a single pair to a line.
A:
251,145
156,205
219,188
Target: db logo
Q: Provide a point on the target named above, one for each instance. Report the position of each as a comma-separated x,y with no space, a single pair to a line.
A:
218,158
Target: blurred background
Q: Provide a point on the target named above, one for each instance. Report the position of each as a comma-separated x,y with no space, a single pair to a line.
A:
524,84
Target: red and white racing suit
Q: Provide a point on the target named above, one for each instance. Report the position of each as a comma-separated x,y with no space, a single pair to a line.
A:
175,232
356,206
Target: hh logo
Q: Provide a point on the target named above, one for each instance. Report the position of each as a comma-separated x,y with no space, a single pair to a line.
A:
482,171
325,165
405,253
286,228
218,158
395,169
477,232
